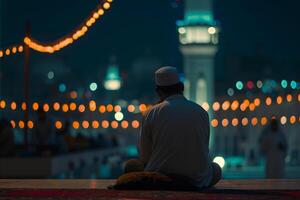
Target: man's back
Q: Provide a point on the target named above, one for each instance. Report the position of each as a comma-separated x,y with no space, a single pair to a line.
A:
178,133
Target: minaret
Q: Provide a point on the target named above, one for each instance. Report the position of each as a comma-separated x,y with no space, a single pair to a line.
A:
198,37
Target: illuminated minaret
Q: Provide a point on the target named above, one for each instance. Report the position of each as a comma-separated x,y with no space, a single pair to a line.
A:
198,36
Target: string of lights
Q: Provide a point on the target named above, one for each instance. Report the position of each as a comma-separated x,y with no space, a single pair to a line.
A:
253,121
65,41
11,51
74,36
95,124
135,124
92,106
71,107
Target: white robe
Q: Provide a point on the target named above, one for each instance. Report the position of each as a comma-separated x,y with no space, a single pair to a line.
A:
274,146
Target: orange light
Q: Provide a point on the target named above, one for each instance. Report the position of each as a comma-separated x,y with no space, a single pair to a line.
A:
20,49
30,124
46,107
56,106
283,120
279,100
117,108
65,108
14,50
214,123
246,102
102,109
124,124
100,11
235,105
95,124
13,105
235,122
257,102
216,106
35,106
92,106
142,107
289,98
293,119
243,107
2,104
73,95
96,15
105,124
21,124
85,124
226,105
1,54
7,52
225,122
13,124
298,97
75,125
135,124
245,121
114,124
205,106
81,108
58,124
254,121
73,106
24,106
268,101
252,106
109,108
264,121
106,5
131,108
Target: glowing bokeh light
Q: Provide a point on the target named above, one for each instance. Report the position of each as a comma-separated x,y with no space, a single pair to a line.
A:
114,124
239,85
93,87
85,124
225,122
102,109
119,116
124,124
214,123
245,121
220,161
216,106
58,124
76,125
13,105
105,124
283,120
92,106
95,124
135,124
131,108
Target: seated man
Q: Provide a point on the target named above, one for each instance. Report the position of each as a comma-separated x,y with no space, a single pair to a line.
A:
174,136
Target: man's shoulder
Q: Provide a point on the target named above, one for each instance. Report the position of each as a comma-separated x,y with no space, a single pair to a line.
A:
195,106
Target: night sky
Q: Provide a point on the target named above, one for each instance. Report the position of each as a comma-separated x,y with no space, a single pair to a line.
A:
255,36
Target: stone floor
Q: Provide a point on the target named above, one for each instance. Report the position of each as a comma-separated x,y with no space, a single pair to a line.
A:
102,184
96,189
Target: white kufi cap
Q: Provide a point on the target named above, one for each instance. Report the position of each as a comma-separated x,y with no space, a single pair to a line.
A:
166,76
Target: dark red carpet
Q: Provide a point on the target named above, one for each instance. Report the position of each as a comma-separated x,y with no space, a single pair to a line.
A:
169,195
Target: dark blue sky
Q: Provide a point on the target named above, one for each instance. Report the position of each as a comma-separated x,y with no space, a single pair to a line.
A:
266,28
